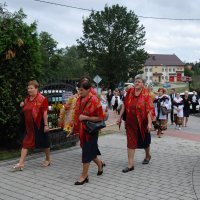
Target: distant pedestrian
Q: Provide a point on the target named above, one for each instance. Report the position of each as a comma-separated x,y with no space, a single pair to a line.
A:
172,96
34,108
109,98
178,111
186,108
116,102
88,108
161,101
195,101
138,108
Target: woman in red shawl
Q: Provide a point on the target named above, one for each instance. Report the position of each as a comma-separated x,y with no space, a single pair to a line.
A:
138,107
88,108
36,124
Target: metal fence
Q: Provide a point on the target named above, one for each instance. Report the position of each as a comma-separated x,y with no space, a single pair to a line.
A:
59,138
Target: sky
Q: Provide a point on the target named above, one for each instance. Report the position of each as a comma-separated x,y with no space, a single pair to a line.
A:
178,37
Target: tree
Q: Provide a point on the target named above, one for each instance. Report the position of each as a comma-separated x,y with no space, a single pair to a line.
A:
113,42
20,61
71,63
50,55
195,85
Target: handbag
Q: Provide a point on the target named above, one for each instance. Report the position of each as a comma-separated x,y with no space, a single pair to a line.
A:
165,111
94,127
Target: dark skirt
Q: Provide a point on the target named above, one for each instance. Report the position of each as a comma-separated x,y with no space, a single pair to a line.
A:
146,143
41,139
186,113
90,149
135,141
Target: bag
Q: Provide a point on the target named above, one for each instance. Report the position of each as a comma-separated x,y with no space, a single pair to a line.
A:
93,127
165,111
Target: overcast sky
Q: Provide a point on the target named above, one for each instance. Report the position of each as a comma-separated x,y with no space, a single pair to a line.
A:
162,36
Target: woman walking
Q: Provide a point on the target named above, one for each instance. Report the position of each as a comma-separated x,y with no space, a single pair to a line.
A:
138,108
186,108
161,102
36,125
178,111
88,108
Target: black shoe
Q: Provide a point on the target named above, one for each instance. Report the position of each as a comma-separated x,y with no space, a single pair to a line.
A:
99,173
82,182
145,161
127,169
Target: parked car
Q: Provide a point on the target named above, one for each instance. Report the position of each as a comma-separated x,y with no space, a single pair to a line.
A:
190,96
167,85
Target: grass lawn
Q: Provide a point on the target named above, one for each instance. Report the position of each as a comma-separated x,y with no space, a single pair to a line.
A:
9,154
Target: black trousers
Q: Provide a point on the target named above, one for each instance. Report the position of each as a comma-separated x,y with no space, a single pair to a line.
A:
172,115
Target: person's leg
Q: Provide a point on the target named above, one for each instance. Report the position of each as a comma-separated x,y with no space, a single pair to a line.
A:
20,164
47,154
84,174
159,133
23,156
131,153
98,162
186,121
47,161
147,153
172,117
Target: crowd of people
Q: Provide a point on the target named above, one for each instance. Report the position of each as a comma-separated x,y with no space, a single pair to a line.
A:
141,109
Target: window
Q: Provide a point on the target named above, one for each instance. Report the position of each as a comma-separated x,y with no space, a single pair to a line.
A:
170,69
166,69
174,70
150,69
150,77
146,69
178,68
166,77
162,77
163,69
146,77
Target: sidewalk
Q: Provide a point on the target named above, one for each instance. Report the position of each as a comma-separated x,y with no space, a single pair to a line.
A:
173,173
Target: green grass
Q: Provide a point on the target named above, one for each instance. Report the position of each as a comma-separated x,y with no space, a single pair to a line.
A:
9,154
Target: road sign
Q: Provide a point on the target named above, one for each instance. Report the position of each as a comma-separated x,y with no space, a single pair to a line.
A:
97,79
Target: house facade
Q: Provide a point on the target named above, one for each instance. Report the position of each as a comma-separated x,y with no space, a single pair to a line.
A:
163,68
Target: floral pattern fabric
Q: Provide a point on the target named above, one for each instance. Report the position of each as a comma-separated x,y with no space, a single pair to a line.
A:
33,114
90,106
137,110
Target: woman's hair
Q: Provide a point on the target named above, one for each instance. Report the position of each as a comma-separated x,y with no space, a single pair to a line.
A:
161,89
84,83
141,77
34,83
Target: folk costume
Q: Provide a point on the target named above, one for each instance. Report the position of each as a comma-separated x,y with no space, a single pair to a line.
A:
90,106
34,135
137,109
178,111
161,118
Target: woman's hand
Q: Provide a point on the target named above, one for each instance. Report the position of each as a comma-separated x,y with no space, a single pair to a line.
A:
46,129
21,104
149,127
83,117
119,120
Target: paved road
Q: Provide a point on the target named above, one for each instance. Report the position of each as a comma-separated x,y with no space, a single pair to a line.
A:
173,173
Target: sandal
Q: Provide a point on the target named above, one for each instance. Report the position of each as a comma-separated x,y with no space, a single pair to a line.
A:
146,161
46,163
18,167
127,169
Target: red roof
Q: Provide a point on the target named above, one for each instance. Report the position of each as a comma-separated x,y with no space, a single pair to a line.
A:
163,60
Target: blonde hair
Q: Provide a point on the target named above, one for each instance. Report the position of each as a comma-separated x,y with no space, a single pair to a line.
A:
34,83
